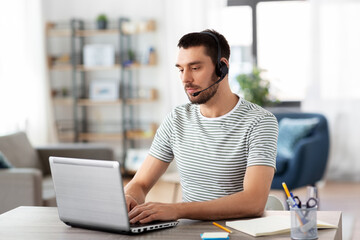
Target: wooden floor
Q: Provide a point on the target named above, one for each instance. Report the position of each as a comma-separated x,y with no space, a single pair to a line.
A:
339,196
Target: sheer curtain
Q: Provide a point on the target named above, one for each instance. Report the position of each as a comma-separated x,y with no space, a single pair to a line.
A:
24,93
180,18
335,85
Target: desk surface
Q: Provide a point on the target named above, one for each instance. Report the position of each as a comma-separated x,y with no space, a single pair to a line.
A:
43,223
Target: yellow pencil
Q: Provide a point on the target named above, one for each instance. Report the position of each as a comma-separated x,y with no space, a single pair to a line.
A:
223,228
286,189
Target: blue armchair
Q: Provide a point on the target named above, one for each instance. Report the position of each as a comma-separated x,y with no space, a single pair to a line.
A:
307,163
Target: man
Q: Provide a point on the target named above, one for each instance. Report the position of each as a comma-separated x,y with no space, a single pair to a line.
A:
224,146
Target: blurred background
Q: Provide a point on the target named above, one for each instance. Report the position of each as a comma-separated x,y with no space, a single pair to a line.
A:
64,78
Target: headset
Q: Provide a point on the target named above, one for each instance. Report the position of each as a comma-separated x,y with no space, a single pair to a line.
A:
221,69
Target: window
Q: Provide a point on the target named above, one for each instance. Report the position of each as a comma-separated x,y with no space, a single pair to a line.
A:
240,41
284,47
282,43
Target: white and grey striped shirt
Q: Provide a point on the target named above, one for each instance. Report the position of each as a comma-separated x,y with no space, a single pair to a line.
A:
212,154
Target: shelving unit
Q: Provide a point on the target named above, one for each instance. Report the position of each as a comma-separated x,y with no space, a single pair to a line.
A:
75,99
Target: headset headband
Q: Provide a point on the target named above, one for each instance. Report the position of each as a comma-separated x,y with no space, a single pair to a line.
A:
218,45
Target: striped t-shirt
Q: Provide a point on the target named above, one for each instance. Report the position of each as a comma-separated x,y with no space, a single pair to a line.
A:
212,154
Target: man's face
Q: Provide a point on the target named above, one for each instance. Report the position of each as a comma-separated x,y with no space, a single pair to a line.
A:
197,72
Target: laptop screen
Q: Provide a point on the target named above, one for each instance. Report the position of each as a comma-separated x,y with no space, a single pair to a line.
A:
90,193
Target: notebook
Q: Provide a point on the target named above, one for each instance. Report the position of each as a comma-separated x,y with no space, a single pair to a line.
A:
90,194
270,225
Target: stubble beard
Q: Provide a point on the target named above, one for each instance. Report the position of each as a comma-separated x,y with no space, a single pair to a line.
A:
206,95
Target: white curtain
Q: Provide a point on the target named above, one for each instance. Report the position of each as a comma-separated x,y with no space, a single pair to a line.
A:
335,85
180,18
24,93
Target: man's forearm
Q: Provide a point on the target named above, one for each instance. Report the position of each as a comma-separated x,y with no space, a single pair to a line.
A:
233,206
136,191
145,178
248,203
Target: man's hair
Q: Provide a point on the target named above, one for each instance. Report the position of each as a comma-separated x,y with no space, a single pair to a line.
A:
196,39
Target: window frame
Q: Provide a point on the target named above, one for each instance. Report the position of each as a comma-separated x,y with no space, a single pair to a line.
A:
253,5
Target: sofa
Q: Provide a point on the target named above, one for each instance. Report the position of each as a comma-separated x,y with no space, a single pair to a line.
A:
27,182
303,149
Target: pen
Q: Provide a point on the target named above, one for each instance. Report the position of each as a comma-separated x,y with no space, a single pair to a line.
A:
293,204
291,200
223,228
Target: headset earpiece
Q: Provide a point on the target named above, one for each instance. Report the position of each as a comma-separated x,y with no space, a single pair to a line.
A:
222,69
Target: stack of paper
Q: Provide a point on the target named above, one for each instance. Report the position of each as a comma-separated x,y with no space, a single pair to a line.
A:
268,225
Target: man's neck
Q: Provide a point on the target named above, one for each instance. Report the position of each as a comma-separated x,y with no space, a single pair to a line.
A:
220,104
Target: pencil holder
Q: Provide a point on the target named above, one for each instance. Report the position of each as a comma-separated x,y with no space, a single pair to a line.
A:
304,223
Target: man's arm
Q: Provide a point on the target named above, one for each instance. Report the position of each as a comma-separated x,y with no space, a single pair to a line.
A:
248,203
144,179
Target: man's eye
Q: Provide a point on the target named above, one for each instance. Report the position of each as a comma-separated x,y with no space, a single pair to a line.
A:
181,70
195,68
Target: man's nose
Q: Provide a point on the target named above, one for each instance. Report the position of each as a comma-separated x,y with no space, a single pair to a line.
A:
186,76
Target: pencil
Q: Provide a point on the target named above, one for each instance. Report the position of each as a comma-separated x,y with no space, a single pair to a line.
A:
223,228
286,189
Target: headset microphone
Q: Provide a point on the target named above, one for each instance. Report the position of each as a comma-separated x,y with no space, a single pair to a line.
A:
221,69
197,93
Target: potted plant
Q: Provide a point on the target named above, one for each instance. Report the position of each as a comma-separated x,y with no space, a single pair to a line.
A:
254,88
101,21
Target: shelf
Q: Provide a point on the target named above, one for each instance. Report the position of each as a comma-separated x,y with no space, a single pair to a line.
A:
89,102
97,68
63,100
51,32
89,33
94,103
139,134
82,68
129,28
66,137
133,27
96,32
114,67
71,99
58,33
85,102
64,67
133,135
139,101
100,136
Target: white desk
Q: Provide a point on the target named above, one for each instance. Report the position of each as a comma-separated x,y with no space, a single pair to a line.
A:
37,223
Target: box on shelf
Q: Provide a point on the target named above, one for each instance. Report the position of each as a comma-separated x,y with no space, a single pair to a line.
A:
104,89
99,55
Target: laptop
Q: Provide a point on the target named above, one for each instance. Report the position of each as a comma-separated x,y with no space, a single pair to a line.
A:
90,194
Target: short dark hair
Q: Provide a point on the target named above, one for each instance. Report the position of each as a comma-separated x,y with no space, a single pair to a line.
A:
196,39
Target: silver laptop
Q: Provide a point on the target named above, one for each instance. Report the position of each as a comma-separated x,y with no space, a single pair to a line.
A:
90,194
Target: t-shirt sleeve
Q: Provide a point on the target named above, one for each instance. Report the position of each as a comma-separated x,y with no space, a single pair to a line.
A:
161,147
263,141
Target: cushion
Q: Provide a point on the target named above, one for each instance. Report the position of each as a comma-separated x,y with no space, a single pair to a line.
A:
281,164
17,148
291,130
4,163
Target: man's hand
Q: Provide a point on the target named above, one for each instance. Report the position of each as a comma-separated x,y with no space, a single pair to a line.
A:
144,179
148,212
130,202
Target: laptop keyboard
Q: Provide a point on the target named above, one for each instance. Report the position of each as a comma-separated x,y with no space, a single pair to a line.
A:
138,224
